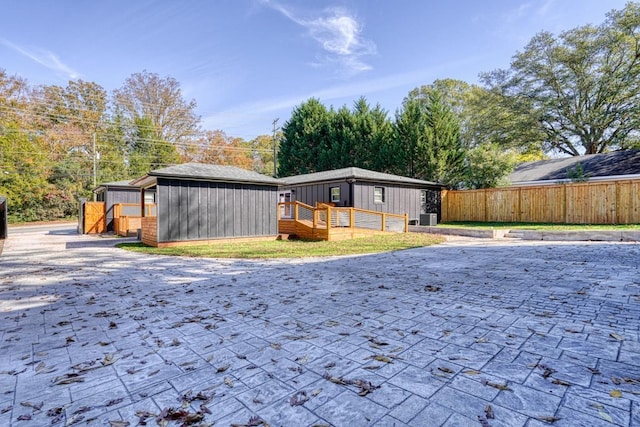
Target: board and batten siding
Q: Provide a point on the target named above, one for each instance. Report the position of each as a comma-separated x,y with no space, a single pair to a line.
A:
201,210
321,193
398,199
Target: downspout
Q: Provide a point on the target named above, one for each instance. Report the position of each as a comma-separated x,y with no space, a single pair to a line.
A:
351,182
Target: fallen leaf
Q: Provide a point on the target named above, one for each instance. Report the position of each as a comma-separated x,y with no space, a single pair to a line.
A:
68,379
381,358
228,381
471,372
316,392
114,402
119,423
548,419
35,406
560,382
299,398
496,385
615,393
222,368
108,360
488,410
616,336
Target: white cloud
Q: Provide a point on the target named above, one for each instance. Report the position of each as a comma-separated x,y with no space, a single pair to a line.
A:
338,33
238,119
45,58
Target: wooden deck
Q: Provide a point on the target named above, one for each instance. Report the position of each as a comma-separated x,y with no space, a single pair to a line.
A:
325,222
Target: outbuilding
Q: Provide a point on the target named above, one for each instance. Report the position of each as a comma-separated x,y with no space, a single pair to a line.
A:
366,189
201,203
120,193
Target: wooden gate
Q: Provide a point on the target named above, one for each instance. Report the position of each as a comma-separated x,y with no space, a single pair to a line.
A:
95,220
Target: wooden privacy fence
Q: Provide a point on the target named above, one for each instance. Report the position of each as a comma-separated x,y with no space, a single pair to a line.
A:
612,202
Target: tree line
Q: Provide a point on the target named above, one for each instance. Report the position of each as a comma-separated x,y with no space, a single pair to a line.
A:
53,138
574,93
569,94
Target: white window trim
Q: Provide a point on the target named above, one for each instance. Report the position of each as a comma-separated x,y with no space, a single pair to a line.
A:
381,195
331,194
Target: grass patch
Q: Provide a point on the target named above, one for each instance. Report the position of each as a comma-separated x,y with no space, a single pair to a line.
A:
538,226
294,248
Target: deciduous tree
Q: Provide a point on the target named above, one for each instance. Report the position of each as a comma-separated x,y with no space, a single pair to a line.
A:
582,85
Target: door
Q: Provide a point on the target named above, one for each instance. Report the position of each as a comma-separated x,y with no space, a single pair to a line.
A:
286,211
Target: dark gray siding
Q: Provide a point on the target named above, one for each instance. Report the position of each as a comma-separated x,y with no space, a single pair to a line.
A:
114,196
200,210
397,199
312,193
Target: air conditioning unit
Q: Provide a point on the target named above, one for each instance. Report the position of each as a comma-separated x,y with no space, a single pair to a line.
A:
430,219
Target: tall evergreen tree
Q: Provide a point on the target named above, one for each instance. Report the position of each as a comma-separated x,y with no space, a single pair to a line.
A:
305,137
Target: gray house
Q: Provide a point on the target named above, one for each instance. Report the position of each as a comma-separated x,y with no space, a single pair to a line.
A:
112,193
618,165
198,203
364,189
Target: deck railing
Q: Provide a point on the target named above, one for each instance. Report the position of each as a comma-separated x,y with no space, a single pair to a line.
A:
330,218
127,218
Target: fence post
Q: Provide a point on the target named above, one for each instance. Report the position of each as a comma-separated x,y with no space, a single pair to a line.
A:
81,215
406,223
295,212
352,218
328,217
384,218
4,228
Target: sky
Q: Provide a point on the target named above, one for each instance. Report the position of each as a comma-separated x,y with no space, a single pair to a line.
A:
249,62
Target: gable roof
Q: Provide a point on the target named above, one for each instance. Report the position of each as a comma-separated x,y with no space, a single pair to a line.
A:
618,163
206,172
356,174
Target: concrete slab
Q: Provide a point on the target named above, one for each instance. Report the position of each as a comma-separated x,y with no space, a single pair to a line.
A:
521,330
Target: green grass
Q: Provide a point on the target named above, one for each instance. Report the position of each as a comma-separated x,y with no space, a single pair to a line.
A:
294,248
538,226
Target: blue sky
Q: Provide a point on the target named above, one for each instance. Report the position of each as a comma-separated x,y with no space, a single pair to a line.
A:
247,62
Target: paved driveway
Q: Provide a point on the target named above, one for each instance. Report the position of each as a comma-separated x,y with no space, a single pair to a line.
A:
471,332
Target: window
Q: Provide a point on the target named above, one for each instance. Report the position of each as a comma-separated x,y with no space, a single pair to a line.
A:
423,201
378,194
335,194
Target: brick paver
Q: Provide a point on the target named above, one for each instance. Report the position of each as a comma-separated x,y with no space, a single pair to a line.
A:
471,332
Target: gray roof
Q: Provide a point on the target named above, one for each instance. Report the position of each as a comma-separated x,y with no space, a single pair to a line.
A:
593,165
207,172
356,174
120,184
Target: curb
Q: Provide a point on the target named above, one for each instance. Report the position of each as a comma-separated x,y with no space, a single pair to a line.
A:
599,236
